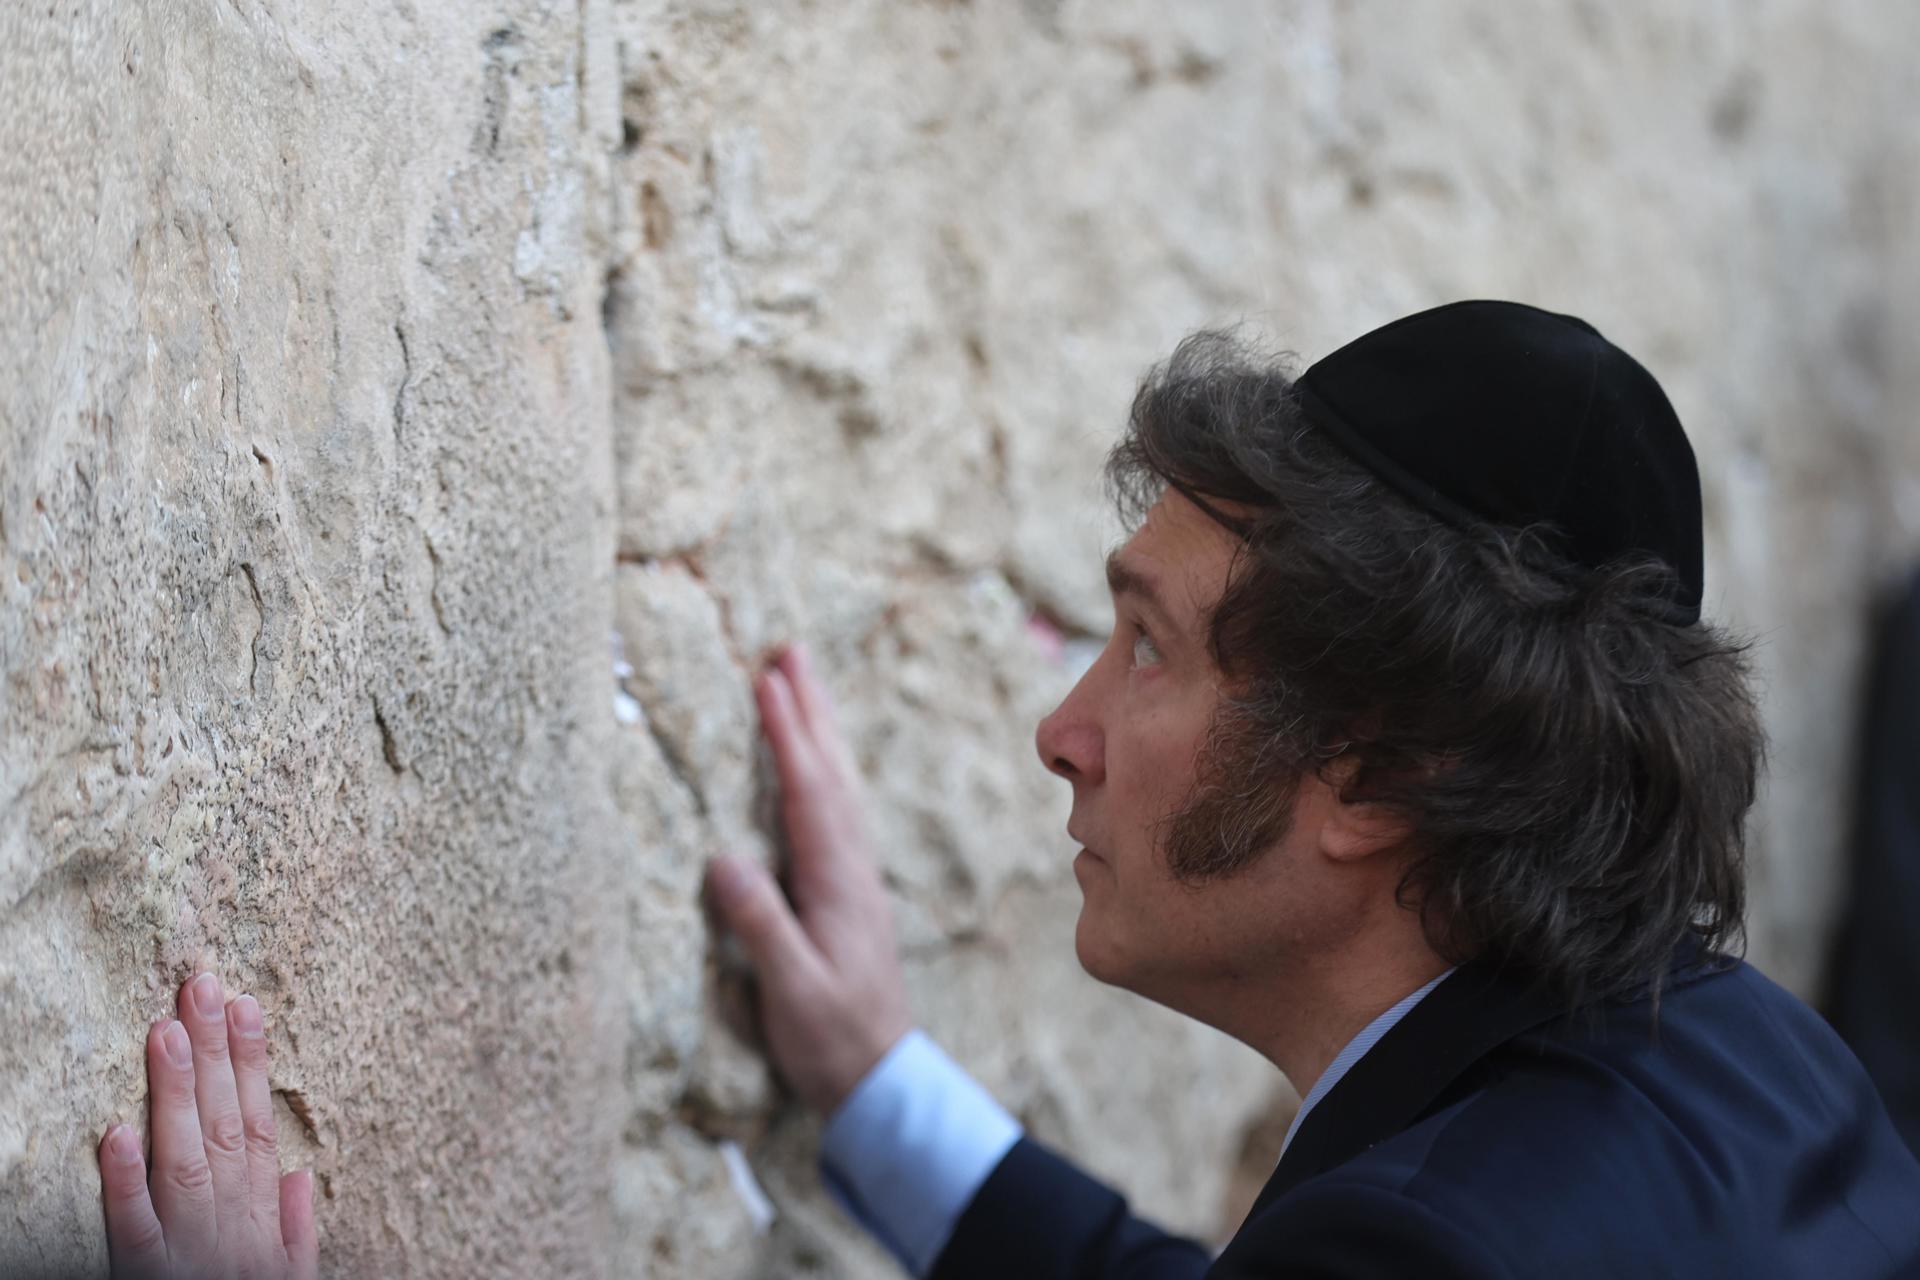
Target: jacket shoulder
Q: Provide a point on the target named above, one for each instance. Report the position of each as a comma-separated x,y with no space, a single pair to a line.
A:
1734,1128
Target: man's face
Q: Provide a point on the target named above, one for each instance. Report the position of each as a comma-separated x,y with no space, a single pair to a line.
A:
1128,738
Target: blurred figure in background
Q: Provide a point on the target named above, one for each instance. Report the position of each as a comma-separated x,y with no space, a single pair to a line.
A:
1874,994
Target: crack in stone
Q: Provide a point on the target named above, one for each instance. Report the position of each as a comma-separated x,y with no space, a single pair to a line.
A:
502,59
690,561
303,1112
260,628
406,380
388,747
433,592
676,761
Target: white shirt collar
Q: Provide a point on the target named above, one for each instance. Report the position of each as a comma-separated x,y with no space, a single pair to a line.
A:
1354,1050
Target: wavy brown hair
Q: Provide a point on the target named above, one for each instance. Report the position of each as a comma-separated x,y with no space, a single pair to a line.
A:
1577,770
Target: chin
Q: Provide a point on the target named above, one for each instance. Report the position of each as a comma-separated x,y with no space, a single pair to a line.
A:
1096,956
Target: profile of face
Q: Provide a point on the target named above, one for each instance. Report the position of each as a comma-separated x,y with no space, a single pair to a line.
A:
1130,738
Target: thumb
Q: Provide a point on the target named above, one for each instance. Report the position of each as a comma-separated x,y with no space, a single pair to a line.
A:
751,904
296,1224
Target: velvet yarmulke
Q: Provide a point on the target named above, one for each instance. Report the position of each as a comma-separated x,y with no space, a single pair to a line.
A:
1500,412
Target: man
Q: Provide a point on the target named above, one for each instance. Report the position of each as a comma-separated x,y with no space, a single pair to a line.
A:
1410,764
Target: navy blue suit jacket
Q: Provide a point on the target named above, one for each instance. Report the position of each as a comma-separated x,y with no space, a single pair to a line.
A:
1488,1135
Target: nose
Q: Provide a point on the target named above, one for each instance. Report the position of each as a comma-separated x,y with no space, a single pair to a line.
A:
1071,744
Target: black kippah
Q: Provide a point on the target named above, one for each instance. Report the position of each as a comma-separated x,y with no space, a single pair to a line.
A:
1501,412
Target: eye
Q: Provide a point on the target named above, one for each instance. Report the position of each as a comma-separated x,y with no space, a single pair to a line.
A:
1152,650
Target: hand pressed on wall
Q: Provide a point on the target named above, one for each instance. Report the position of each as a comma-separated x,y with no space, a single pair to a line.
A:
214,1203
833,999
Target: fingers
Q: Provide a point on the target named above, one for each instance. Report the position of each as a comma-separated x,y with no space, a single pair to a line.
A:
810,794
752,906
203,1007
817,783
247,1042
797,665
181,1183
211,1203
820,795
135,1243
816,707
794,756
297,1231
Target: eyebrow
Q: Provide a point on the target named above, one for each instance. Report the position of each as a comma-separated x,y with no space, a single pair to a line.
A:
1125,580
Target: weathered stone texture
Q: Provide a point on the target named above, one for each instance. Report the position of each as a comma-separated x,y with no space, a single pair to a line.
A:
418,420
307,583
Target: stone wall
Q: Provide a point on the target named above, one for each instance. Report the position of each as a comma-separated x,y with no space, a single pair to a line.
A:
418,419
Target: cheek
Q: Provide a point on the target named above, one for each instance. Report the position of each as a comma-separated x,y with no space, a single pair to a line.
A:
1151,770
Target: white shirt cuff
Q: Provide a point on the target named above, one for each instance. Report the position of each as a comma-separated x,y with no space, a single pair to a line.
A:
911,1145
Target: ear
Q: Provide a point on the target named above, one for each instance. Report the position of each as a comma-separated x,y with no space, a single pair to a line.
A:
1356,829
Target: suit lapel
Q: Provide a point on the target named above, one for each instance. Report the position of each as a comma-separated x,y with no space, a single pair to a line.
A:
1478,1008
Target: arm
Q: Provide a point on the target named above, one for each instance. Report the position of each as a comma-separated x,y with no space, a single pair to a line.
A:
910,1147
1040,1216
1344,1229
914,1149
938,1172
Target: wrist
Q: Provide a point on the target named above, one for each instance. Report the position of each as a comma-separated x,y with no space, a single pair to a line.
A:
859,1066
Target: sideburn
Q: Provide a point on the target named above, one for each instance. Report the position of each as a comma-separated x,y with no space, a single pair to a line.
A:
1241,802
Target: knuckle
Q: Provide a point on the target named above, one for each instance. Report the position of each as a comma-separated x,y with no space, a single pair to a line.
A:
190,1179
212,1048
224,1133
261,1134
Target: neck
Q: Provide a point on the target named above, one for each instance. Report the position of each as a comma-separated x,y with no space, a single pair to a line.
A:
1301,1018
1339,1010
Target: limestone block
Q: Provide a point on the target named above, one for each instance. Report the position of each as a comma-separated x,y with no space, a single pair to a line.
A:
306,514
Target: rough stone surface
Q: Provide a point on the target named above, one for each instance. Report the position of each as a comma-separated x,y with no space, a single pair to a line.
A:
418,420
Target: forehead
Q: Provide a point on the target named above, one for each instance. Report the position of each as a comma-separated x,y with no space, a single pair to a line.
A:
1183,552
